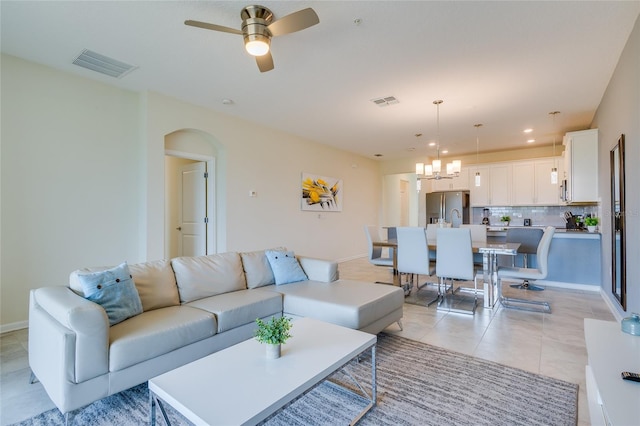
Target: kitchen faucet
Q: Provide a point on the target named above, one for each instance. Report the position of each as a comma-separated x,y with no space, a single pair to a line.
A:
459,215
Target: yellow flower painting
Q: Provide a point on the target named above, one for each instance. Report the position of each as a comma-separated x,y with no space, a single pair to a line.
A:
321,193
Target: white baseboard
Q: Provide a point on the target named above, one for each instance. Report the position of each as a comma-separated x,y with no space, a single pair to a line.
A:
611,306
570,286
346,259
5,328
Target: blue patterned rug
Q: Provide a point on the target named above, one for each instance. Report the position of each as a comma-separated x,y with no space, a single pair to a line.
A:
418,384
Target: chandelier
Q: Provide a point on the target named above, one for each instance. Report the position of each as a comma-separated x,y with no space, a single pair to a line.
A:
434,170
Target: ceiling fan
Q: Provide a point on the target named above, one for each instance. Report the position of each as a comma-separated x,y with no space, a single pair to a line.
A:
258,26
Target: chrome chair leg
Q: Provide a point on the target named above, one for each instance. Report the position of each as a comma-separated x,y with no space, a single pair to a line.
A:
523,304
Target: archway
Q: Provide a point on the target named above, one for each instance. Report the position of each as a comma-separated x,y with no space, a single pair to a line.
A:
182,147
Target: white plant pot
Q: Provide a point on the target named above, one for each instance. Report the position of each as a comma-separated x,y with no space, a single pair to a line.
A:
592,228
273,351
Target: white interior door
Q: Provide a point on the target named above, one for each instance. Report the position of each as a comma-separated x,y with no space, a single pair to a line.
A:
192,212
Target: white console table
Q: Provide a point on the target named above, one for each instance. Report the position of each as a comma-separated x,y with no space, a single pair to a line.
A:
612,401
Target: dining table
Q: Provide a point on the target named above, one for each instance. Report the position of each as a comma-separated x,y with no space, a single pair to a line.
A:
490,252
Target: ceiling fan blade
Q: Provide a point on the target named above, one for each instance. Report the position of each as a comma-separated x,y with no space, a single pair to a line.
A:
213,27
265,62
293,22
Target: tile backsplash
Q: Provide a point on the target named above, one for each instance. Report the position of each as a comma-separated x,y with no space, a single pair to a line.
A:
539,215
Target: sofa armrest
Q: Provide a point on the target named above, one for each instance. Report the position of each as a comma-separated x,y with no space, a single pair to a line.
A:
67,334
319,269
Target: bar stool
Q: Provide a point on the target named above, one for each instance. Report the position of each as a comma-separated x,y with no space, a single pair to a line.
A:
529,238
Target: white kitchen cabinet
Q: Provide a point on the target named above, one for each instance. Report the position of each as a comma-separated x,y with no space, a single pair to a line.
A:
500,184
479,195
547,193
523,184
458,183
581,166
495,187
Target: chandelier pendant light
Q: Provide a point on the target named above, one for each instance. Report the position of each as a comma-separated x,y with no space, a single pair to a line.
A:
434,170
477,178
554,170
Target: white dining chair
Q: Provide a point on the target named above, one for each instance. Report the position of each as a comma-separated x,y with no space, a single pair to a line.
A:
432,235
375,253
539,273
478,234
454,255
529,239
413,257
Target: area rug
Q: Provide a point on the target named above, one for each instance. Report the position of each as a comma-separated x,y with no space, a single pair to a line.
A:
418,384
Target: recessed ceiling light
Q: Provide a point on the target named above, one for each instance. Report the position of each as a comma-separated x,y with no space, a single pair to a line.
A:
432,144
445,151
531,141
528,130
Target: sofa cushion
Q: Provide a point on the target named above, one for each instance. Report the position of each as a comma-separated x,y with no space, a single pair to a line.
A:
155,282
240,307
353,304
204,276
256,269
286,268
156,333
113,289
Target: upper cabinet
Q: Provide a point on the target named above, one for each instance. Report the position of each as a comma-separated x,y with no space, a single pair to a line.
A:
517,183
532,183
581,166
458,183
495,185
547,193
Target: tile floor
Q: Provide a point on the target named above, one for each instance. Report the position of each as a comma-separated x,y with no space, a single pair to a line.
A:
549,344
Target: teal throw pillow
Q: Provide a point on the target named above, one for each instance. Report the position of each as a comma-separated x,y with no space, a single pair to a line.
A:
285,267
114,290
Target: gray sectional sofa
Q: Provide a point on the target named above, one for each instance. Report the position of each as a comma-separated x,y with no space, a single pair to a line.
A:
191,307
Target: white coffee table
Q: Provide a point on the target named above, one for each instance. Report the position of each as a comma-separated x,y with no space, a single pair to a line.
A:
239,385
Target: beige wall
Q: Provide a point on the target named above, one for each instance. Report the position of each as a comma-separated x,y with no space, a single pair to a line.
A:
83,169
619,113
70,179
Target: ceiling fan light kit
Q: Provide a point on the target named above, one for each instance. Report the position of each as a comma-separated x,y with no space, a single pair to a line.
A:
258,27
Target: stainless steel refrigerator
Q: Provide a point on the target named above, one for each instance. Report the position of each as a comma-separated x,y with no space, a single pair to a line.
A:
445,204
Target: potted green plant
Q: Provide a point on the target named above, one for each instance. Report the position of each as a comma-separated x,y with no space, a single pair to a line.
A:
274,333
591,223
505,220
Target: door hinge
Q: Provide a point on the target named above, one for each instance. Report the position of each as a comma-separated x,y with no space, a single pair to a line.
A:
206,175
206,220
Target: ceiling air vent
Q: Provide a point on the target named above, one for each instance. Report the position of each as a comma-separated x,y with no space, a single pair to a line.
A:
103,64
386,101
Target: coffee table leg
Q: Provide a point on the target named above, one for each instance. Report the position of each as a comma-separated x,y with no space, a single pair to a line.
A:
152,410
374,387
153,400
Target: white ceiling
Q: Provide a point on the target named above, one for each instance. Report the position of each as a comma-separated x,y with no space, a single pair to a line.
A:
503,64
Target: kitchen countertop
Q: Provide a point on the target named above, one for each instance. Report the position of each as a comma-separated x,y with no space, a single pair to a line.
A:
500,231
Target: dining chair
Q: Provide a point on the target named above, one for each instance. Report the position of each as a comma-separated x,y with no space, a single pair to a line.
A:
529,239
478,233
413,257
538,273
454,255
432,235
375,253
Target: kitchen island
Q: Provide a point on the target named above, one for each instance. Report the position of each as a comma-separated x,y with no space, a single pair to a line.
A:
574,258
